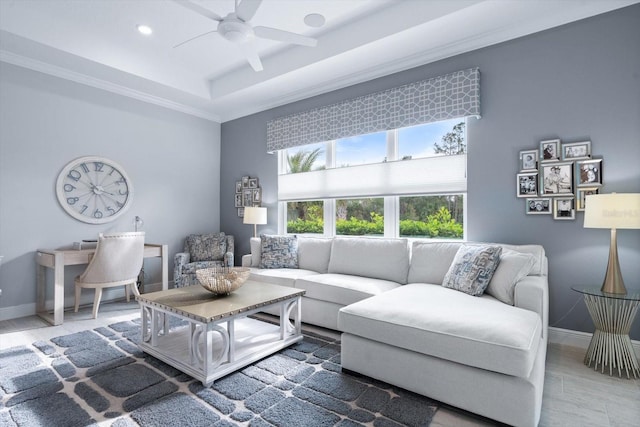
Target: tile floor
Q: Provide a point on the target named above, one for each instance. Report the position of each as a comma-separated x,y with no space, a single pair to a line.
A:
574,394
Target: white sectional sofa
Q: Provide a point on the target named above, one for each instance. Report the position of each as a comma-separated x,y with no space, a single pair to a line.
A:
485,354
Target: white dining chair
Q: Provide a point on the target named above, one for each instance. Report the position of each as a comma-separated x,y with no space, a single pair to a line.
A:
116,262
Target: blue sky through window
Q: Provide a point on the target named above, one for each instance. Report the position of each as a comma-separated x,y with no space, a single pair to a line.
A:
416,141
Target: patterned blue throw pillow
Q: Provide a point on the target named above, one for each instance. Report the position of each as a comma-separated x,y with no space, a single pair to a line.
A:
472,269
278,251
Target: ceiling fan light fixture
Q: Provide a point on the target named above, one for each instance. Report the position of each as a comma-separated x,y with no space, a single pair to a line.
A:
235,31
144,29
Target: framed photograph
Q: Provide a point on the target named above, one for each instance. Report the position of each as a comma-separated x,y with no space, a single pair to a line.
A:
253,183
257,196
238,186
582,194
589,173
549,150
563,208
576,150
241,212
527,183
238,202
247,197
538,206
556,179
245,181
528,160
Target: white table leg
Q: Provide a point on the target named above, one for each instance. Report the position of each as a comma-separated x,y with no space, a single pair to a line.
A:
58,288
610,345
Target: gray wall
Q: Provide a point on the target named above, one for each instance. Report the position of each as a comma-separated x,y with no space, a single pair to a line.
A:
173,160
576,82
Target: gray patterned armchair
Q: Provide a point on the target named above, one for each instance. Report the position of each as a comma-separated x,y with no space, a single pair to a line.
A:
202,251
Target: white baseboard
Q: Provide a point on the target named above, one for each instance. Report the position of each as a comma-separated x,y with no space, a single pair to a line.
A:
578,338
24,310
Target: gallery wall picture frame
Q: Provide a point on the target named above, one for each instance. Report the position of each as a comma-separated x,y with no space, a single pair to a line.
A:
549,150
528,160
257,196
238,200
582,193
564,208
247,197
589,173
252,183
556,179
527,184
538,206
241,212
238,187
576,150
245,181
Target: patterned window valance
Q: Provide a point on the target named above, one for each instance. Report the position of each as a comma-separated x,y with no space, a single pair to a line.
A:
439,98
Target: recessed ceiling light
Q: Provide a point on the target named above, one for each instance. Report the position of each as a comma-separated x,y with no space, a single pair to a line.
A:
144,29
314,20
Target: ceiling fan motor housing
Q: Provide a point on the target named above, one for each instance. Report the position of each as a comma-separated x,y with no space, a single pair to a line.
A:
235,30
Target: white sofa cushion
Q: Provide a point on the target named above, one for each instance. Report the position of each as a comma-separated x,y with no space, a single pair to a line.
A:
472,269
476,331
255,244
342,289
512,268
314,253
279,276
430,261
386,259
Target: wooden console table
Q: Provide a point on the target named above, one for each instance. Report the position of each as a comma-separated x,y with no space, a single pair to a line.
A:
58,259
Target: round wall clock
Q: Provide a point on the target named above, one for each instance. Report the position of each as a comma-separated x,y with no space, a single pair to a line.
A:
94,189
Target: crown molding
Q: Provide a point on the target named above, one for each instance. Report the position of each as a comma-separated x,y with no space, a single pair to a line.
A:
74,76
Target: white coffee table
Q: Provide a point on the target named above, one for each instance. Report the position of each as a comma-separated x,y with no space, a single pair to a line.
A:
218,338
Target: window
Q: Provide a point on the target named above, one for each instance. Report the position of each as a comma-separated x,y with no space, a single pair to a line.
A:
432,216
306,217
360,217
408,182
306,158
361,150
432,139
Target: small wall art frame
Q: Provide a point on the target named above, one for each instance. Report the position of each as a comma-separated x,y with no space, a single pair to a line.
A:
538,206
576,150
528,160
549,150
527,184
589,173
563,208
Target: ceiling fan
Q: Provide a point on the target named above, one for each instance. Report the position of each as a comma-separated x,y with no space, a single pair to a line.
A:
235,27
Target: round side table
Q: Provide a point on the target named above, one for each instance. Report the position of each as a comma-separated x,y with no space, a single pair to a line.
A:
612,316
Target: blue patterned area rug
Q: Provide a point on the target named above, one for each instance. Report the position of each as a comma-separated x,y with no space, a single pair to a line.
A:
101,377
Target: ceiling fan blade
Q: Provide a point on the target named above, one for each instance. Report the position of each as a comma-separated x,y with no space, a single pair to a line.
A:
247,9
199,9
251,54
193,38
284,36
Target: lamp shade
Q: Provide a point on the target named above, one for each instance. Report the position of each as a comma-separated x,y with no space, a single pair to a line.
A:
255,215
615,210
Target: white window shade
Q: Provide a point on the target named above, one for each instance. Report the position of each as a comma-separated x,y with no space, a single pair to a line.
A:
432,175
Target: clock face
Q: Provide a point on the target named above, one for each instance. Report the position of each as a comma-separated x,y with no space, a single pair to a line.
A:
94,189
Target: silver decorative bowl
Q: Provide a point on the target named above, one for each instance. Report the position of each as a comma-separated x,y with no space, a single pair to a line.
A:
222,280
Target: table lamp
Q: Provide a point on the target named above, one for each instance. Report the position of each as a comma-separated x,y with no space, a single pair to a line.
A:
255,215
614,211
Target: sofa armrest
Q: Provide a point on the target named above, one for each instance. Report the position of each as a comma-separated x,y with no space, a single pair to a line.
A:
179,260
532,293
246,260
